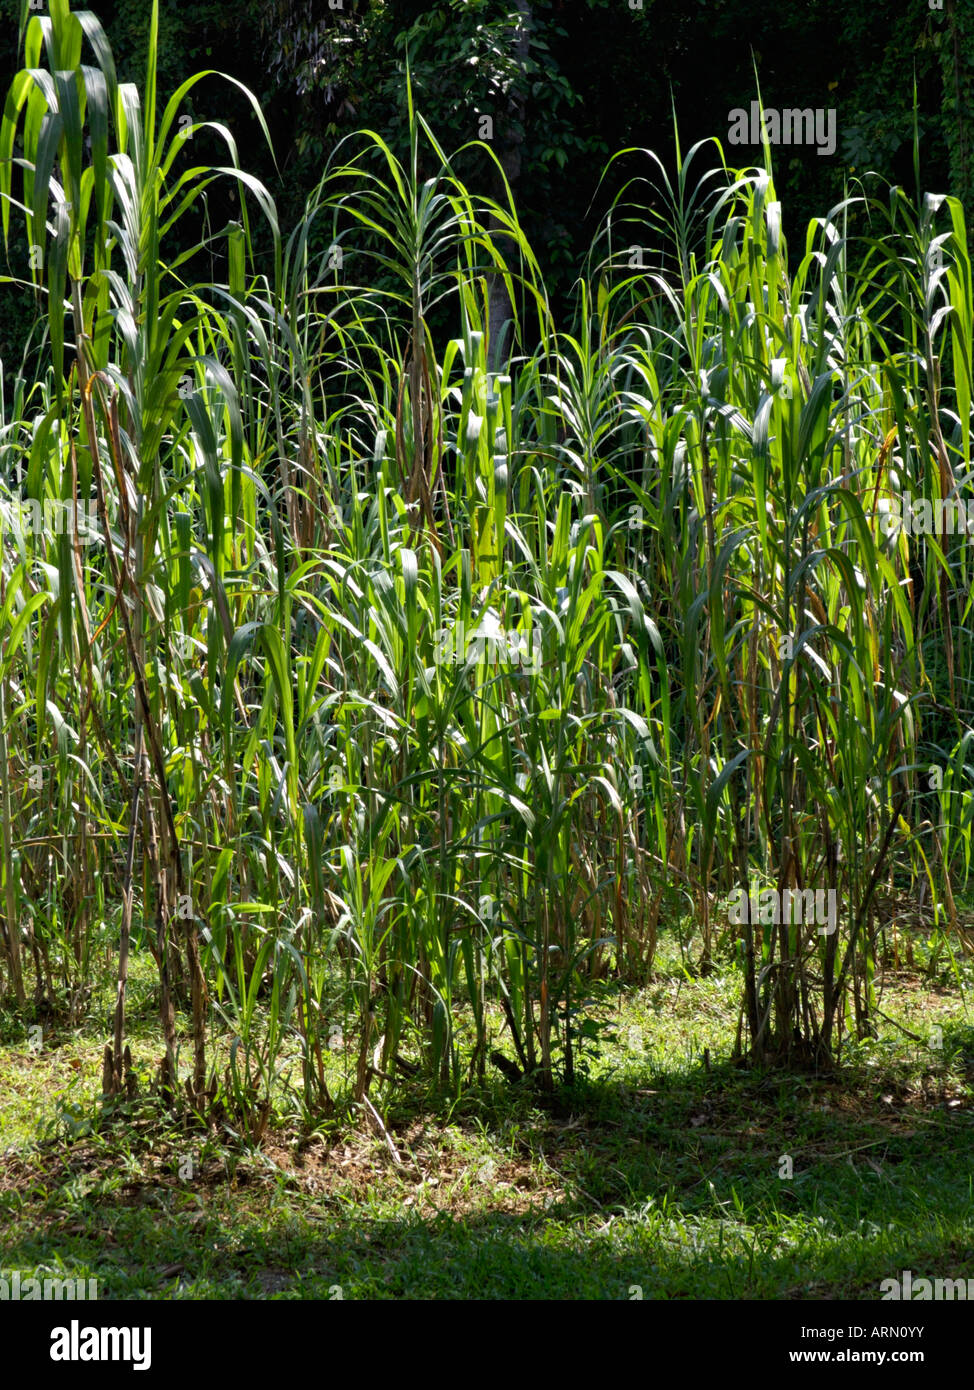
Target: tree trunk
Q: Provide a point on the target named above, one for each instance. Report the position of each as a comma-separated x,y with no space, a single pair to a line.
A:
510,140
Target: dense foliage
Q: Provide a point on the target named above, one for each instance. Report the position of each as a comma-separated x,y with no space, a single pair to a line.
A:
391,701
566,84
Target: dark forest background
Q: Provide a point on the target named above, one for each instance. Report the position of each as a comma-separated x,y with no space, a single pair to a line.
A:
565,84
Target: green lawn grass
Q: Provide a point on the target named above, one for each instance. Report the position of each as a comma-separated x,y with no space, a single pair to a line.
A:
659,1174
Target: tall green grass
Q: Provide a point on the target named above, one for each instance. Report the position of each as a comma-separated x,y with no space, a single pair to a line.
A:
398,700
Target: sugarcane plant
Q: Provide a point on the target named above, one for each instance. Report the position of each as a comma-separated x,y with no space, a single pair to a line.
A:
104,182
402,692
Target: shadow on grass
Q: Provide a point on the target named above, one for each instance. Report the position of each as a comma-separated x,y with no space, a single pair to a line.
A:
717,1184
